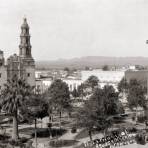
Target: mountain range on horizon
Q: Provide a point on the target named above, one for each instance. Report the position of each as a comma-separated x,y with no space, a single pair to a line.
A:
91,61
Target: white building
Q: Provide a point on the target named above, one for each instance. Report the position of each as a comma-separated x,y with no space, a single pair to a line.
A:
73,83
105,77
44,84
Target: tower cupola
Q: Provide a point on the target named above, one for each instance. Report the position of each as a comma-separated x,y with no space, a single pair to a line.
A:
25,24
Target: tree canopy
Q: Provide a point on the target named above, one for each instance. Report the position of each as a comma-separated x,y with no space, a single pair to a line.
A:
99,109
36,107
92,81
59,97
59,94
123,85
81,91
66,69
105,68
75,93
13,96
136,94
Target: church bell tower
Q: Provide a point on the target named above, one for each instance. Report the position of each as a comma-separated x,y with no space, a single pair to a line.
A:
22,65
25,47
26,60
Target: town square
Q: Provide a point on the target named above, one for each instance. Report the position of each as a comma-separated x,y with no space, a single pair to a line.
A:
74,74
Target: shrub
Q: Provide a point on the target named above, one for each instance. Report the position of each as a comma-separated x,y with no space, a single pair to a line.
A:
46,132
4,137
132,129
133,118
23,140
82,134
42,133
3,146
118,119
15,143
20,143
80,146
140,139
73,130
57,132
62,143
141,118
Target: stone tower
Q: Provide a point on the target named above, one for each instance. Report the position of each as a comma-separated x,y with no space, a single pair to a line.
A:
23,65
26,59
25,47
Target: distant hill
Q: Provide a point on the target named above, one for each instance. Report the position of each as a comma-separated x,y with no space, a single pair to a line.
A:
92,61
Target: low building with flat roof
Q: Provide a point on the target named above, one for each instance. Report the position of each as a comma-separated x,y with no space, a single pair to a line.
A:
105,77
141,75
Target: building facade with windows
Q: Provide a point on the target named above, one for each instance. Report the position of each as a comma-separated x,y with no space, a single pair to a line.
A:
22,65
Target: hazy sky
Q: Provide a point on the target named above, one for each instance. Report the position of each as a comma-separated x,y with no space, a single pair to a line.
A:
75,28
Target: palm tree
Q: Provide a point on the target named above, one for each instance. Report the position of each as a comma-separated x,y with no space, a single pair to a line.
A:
15,92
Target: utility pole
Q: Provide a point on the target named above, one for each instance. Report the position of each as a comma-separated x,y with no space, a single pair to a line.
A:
35,134
147,94
147,76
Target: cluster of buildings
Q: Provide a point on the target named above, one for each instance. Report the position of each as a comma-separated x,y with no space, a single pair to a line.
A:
73,81
105,78
23,66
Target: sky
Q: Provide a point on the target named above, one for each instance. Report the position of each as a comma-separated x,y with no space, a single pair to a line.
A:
75,28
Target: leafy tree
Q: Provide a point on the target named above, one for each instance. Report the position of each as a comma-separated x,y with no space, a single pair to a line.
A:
112,105
123,85
15,92
36,107
75,93
136,95
87,68
74,70
92,82
105,68
59,96
86,117
97,112
66,69
81,92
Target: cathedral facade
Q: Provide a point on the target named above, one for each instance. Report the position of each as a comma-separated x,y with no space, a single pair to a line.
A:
22,65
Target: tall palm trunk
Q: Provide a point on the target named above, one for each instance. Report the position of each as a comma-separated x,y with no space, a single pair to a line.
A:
15,127
90,134
50,116
136,115
35,126
60,118
41,123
